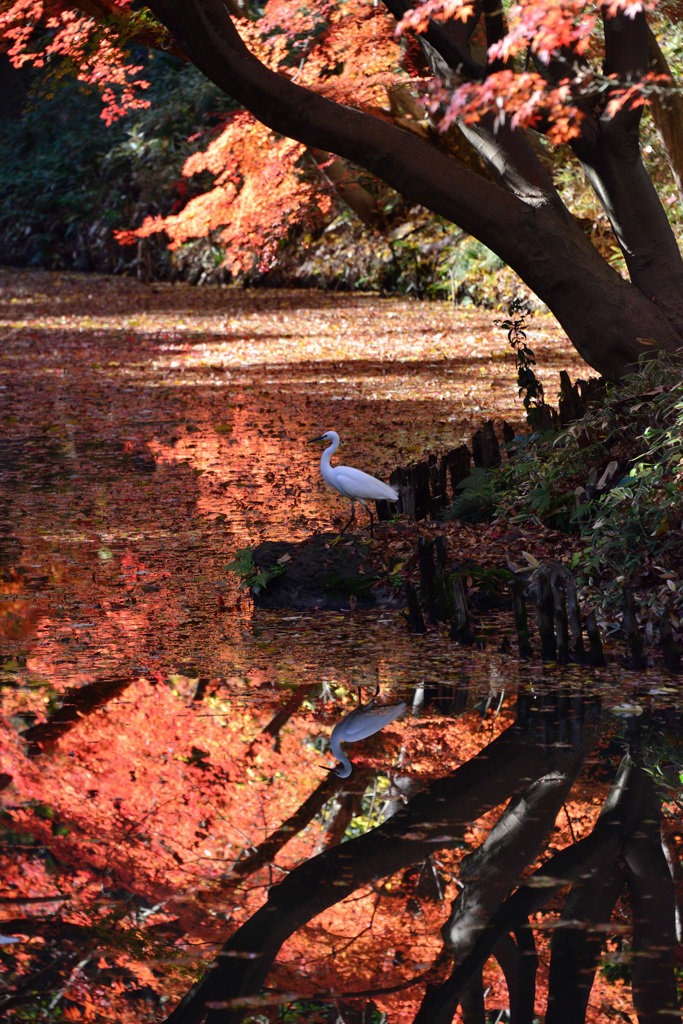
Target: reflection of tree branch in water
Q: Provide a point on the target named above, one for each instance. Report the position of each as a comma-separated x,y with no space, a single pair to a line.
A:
77,702
492,871
434,819
521,981
535,777
654,925
272,844
347,804
598,862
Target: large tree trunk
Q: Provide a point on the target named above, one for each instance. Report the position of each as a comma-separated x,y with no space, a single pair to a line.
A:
610,321
667,113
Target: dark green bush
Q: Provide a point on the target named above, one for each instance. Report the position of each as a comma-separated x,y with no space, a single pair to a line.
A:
67,180
614,479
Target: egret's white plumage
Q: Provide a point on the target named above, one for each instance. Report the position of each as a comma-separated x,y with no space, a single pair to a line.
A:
363,721
351,483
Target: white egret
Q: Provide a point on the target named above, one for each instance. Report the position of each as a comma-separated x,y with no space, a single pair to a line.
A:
363,721
352,483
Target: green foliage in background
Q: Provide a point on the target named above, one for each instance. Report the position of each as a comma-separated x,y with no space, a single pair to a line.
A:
630,529
67,180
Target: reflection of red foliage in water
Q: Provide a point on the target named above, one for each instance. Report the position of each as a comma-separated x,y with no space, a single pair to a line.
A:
139,811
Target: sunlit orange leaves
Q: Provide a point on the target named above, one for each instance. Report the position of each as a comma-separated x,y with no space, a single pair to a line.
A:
417,18
260,194
93,50
347,52
264,184
548,28
517,99
119,779
634,96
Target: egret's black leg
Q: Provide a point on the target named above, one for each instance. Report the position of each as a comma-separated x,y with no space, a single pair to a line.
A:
367,509
353,516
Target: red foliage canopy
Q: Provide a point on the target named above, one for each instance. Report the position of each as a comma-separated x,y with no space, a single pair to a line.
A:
385,89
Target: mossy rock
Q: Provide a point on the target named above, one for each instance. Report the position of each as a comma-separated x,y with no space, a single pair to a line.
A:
321,576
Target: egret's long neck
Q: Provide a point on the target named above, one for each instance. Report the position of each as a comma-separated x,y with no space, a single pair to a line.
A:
344,769
325,458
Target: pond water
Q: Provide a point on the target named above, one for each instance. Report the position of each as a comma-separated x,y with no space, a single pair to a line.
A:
165,813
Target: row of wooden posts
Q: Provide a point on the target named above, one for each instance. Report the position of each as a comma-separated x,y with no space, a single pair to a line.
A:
442,599
426,487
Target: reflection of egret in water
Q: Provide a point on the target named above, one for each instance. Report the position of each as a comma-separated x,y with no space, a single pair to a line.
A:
363,721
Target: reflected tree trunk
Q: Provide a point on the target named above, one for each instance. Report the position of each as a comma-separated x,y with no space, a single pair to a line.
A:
626,822
432,820
492,872
622,853
303,816
576,946
653,979
346,805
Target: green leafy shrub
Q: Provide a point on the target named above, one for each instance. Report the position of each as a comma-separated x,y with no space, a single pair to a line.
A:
478,497
627,530
633,533
253,577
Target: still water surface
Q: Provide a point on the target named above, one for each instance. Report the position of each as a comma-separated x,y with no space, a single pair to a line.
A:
162,739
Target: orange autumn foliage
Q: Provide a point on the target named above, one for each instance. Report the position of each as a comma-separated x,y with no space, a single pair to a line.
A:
252,166
265,185
94,51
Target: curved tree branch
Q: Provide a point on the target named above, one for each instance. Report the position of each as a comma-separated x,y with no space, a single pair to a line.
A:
455,55
541,242
208,35
492,871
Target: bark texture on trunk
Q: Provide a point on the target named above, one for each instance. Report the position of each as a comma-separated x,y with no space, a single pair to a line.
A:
667,113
